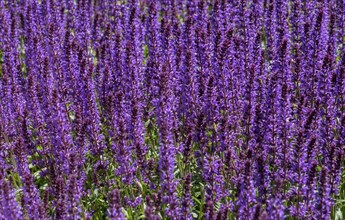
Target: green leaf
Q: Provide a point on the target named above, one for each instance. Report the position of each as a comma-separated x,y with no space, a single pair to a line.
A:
141,217
195,215
339,215
124,211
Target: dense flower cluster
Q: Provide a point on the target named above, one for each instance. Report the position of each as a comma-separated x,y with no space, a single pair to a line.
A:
171,109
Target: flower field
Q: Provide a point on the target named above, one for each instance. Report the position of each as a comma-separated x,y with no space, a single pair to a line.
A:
172,109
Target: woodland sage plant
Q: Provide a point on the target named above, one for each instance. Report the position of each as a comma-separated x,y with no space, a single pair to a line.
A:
172,109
